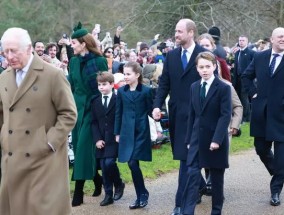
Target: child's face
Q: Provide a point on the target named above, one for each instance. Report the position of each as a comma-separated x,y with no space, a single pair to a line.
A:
105,87
130,76
205,68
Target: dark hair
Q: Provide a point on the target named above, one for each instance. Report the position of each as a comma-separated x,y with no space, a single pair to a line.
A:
39,41
207,56
136,68
106,50
91,44
105,77
50,45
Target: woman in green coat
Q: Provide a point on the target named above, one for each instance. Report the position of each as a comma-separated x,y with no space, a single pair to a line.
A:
88,61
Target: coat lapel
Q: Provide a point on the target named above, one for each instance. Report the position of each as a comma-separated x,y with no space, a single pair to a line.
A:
211,92
132,96
10,85
111,103
280,67
191,61
28,81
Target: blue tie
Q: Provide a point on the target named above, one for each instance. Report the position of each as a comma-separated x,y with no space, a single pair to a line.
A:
184,59
272,64
203,93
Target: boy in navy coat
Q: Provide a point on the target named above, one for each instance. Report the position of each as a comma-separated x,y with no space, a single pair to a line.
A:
207,134
103,117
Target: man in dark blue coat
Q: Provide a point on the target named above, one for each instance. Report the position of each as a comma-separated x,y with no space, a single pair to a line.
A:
267,119
243,58
178,74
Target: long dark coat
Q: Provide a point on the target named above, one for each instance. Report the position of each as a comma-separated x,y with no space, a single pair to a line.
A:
82,140
267,118
176,82
103,127
209,124
132,124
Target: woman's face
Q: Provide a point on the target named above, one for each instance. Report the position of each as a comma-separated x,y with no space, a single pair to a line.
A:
130,76
79,48
205,43
109,53
132,57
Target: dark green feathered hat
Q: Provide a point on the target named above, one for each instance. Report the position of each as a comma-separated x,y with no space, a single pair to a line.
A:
79,31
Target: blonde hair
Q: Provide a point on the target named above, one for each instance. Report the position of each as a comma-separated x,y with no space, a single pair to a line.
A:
208,37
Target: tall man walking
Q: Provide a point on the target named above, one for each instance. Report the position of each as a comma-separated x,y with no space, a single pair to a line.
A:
38,111
178,74
267,117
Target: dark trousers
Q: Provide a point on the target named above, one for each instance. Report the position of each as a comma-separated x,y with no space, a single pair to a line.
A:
182,179
244,98
111,175
191,192
274,163
138,179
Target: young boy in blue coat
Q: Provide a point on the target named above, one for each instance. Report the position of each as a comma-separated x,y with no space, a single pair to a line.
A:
103,117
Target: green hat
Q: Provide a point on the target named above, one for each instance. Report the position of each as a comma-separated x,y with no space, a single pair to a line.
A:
78,31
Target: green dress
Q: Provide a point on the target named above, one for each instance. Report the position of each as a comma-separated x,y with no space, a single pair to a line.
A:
82,77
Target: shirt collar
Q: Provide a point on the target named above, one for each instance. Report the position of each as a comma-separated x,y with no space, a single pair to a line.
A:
209,81
190,49
26,68
108,95
280,53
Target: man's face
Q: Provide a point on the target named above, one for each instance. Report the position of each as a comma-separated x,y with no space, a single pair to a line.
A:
39,48
243,42
52,52
16,55
277,40
182,36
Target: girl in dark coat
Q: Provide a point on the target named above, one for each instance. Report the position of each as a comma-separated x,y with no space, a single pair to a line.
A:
133,105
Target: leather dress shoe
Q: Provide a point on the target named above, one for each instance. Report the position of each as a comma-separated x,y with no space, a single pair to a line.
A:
200,194
275,201
77,198
176,211
144,199
135,204
119,192
107,201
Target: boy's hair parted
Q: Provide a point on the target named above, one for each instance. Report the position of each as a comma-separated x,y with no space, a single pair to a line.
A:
207,55
105,77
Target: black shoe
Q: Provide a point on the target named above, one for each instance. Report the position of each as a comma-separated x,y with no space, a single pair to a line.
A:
98,182
135,205
107,201
176,211
200,194
208,190
275,201
77,198
144,200
119,192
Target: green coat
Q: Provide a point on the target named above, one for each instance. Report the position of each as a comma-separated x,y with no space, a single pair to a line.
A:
83,84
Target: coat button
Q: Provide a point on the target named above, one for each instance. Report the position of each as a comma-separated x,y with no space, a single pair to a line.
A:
11,109
28,110
10,131
10,153
27,132
105,124
28,155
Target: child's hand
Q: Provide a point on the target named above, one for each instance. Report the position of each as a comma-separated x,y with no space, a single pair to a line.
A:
100,144
214,146
117,138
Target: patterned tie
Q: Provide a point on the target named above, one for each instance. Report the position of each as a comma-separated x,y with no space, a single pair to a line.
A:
272,64
19,77
184,59
105,101
203,93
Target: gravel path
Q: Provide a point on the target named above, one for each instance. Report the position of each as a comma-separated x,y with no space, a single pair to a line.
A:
246,191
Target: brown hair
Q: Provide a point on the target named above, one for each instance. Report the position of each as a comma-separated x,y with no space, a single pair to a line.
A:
91,44
136,68
207,56
50,45
105,77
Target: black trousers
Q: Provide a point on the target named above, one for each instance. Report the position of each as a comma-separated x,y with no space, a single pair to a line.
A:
274,162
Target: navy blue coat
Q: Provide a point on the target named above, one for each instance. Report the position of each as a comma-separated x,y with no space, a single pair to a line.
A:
209,124
267,118
176,82
132,124
103,127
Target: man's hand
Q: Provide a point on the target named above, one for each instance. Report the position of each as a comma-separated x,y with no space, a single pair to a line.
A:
156,37
214,146
100,144
156,114
117,138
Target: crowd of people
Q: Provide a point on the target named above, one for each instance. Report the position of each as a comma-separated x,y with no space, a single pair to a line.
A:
113,97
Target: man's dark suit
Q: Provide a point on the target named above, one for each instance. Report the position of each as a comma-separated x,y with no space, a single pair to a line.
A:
242,60
103,129
206,124
267,119
176,82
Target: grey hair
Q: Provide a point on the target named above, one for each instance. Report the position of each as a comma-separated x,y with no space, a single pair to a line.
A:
20,34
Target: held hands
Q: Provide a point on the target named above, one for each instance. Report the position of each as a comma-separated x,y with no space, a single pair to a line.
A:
214,146
100,144
156,114
233,131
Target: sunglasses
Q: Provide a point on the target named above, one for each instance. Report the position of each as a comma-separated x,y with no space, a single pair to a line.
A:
111,52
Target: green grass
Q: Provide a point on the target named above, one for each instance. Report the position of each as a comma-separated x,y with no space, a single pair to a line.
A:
163,161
